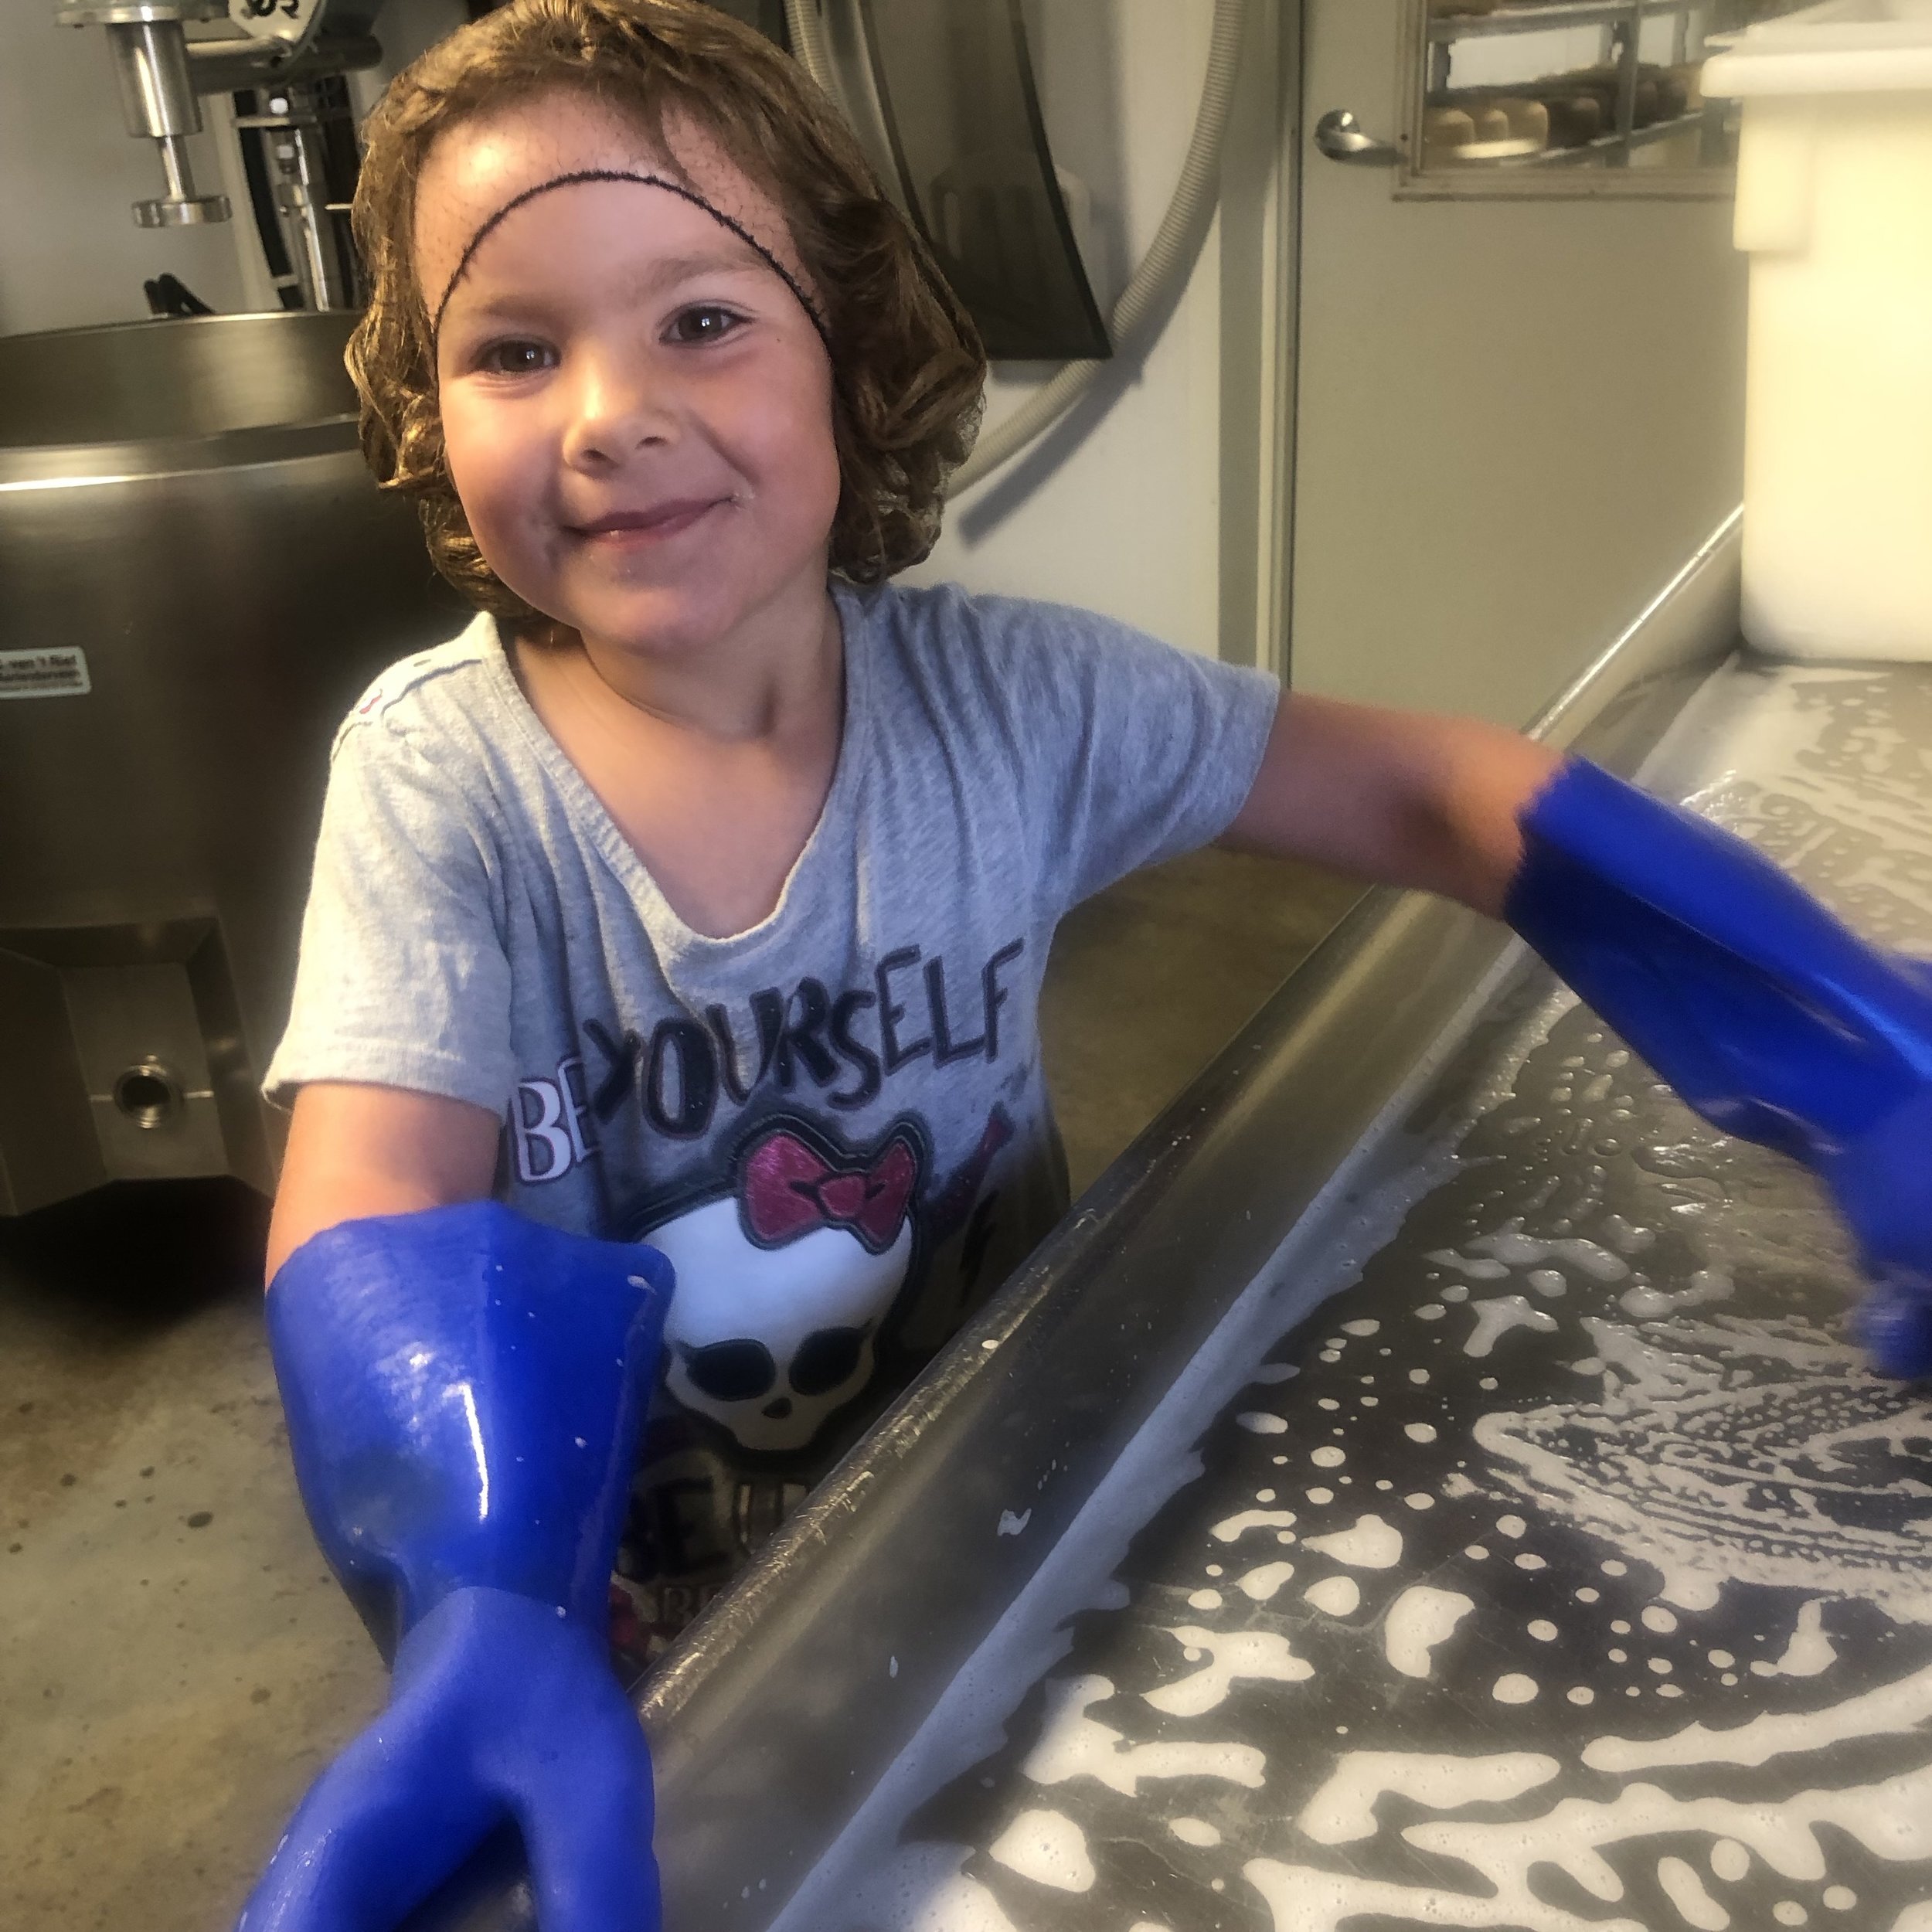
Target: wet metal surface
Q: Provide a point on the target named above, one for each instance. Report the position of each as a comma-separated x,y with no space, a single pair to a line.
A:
1567,1569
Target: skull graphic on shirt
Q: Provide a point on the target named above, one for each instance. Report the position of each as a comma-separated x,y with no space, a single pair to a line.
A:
782,1283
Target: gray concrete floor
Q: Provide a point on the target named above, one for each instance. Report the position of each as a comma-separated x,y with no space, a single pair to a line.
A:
175,1663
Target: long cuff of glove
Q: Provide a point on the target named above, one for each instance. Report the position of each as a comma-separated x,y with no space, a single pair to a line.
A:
464,1390
1768,1014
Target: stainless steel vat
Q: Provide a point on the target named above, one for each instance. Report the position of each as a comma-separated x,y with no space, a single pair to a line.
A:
197,575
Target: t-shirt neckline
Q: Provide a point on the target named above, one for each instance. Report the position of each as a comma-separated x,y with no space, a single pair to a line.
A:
622,857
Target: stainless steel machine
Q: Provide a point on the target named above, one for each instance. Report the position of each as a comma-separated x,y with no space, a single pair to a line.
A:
284,61
1427,1481
197,575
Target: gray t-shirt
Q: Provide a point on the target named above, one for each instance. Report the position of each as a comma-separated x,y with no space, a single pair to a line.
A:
835,1124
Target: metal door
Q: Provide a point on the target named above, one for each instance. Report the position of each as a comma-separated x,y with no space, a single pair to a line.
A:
1516,411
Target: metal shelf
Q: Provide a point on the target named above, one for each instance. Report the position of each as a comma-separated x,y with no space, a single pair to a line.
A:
1616,143
1446,29
1688,122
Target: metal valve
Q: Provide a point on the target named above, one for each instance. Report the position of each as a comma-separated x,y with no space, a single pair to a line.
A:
157,95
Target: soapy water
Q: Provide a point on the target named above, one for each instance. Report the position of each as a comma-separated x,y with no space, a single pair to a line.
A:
1611,1606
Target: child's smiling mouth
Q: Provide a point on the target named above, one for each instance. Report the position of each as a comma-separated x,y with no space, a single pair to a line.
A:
623,528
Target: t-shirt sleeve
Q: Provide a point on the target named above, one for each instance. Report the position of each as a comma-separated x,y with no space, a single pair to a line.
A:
402,978
1133,750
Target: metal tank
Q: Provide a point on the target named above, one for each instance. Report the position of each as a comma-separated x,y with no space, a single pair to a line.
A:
197,575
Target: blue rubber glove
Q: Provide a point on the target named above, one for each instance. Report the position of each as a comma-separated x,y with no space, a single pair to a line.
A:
1768,1016
465,1390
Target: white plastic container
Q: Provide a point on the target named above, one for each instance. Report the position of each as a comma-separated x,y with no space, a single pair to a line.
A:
1834,208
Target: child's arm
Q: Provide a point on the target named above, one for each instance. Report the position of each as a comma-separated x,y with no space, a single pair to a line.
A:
356,1150
1398,797
465,1389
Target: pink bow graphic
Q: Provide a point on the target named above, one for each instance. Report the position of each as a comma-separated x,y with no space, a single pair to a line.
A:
788,1189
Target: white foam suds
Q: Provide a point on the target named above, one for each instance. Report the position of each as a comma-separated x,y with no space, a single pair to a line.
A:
1730,1861
1839,1898
1892,1820
1516,1250
1658,1618
1232,1528
1371,1544
1717,1453
1496,1316
1809,1652
1362,1328
1648,1304
1194,1831
1548,1283
1205,1600
1344,1809
1047,1847
1542,1630
1261,1422
1419,1431
1685,1890
1335,1595
1477,1270
1419,1620
1892,1710
1230,1654
1073,1744
1262,1584
1329,1457
1513,1688
1010,1524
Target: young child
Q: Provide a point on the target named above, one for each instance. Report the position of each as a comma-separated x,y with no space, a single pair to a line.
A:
698,894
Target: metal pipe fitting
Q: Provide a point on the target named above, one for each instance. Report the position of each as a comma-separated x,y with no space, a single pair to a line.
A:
158,100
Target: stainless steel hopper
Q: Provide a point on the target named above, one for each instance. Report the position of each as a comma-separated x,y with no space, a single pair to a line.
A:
197,575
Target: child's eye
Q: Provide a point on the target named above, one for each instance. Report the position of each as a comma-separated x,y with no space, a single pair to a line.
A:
704,323
515,358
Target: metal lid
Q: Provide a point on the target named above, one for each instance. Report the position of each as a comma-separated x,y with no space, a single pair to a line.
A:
135,398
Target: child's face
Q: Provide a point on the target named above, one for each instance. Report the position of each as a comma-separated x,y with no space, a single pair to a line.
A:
611,350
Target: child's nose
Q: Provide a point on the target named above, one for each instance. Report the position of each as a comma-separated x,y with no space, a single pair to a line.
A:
616,405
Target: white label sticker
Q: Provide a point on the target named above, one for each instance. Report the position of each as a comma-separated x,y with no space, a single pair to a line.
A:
59,673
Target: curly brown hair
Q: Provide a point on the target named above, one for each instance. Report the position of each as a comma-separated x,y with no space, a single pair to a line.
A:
908,367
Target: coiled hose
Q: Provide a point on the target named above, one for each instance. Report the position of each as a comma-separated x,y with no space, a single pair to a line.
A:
1168,258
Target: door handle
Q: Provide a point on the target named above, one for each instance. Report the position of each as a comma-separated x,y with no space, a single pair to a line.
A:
1339,136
